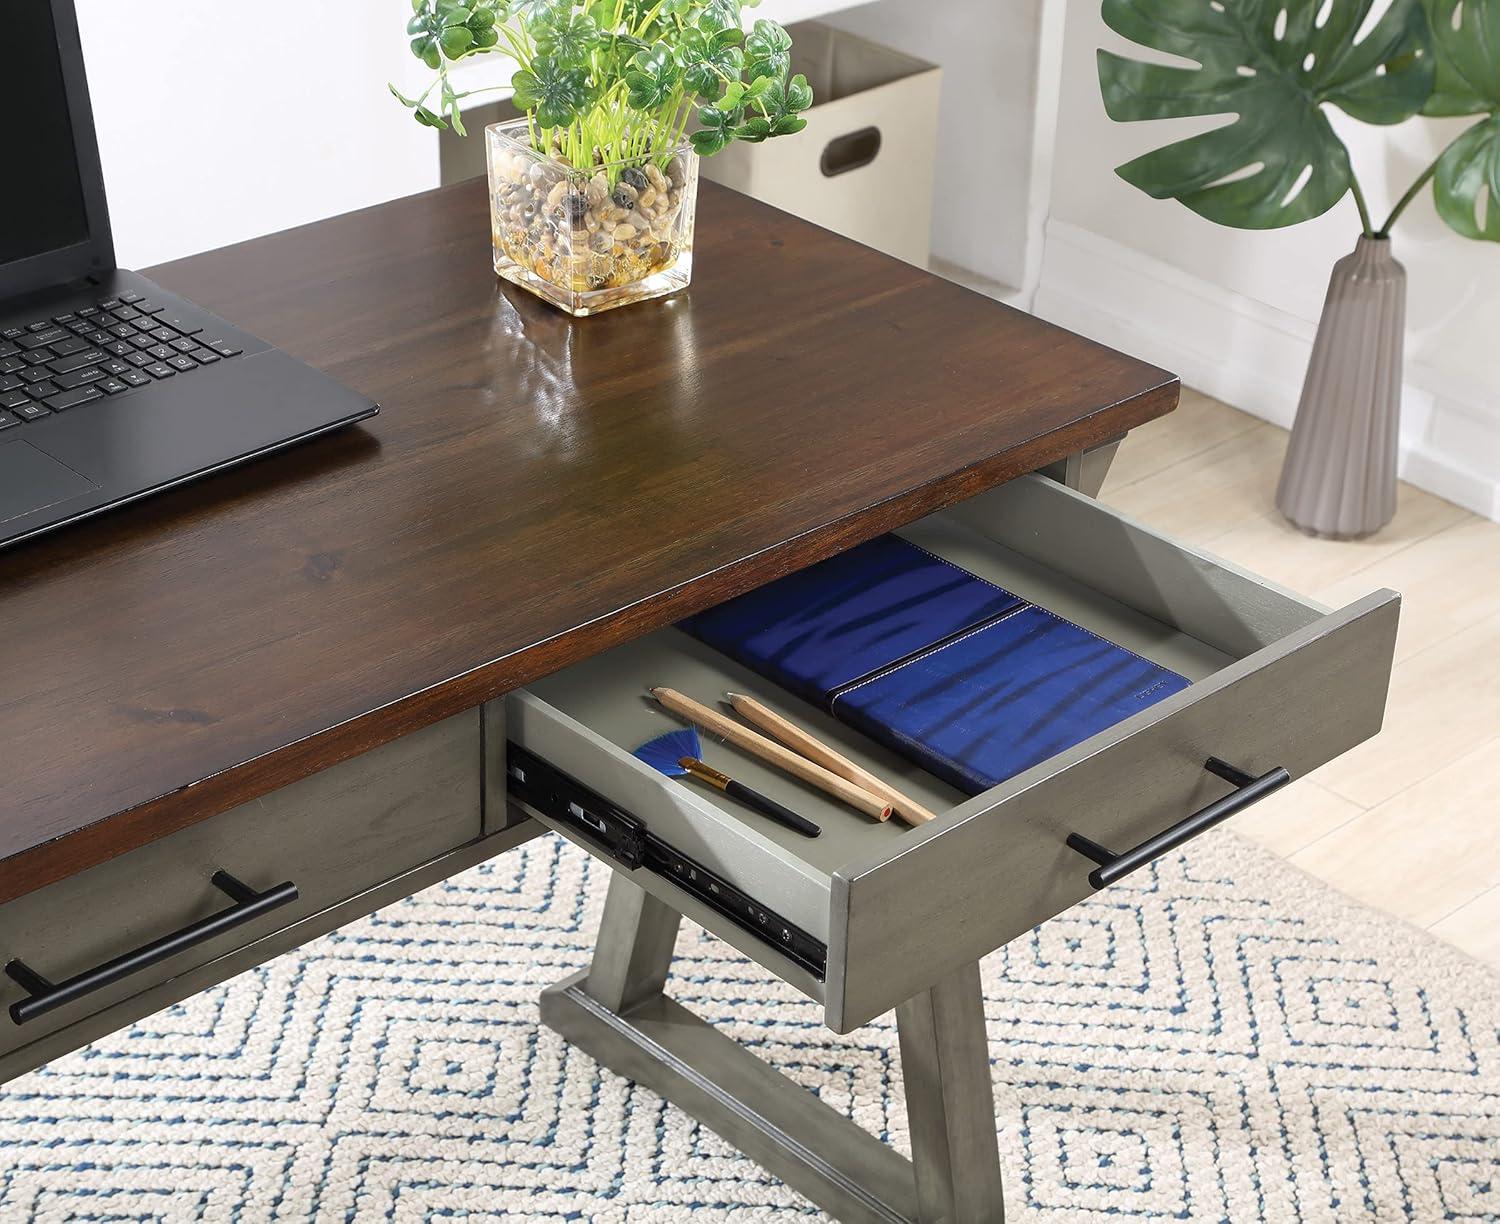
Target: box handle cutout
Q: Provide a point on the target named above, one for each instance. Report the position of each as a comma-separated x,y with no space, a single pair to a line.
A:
851,152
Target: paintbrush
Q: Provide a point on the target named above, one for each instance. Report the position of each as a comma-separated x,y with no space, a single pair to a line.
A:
677,753
772,753
815,750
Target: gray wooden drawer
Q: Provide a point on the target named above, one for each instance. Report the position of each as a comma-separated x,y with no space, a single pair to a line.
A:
333,835
1277,681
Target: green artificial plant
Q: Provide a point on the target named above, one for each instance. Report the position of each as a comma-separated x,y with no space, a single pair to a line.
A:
605,82
1276,65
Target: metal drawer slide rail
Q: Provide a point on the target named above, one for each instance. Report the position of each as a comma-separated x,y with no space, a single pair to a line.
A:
628,842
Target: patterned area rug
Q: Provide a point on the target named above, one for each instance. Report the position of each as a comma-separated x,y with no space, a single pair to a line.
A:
1217,1039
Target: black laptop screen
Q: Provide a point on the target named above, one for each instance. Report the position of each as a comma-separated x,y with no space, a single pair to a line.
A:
41,207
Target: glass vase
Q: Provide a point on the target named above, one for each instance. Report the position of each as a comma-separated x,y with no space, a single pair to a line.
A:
589,240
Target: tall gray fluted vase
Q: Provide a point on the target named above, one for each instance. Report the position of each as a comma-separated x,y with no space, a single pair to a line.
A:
1339,479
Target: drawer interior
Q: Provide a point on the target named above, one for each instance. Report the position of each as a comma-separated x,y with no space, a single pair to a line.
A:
608,694
1278,683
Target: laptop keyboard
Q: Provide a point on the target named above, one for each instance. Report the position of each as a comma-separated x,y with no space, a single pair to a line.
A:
98,352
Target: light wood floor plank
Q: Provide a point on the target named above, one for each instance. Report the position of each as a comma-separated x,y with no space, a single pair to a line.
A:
1424,853
1271,546
1293,818
1199,424
1475,927
1444,703
1448,582
1203,497
1408,822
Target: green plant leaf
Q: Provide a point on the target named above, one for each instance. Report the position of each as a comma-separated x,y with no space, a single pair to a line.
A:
1466,38
720,26
455,40
767,49
554,92
708,61
772,95
788,125
709,141
723,14
718,122
799,94
425,49
652,76
1466,187
568,38
753,130
718,118
1273,66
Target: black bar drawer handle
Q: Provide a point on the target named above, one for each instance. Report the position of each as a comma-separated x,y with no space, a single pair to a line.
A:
1248,789
248,906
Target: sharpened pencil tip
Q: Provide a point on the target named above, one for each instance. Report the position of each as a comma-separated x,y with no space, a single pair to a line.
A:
731,697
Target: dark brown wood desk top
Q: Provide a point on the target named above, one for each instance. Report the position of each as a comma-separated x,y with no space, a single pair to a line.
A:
535,490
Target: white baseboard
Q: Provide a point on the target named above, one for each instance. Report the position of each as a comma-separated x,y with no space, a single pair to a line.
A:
1253,356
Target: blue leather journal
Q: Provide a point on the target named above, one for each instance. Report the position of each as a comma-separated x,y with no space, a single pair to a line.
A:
824,627
965,678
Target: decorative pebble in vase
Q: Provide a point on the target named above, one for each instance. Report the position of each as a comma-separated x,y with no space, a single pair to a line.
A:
593,193
1339,479
590,240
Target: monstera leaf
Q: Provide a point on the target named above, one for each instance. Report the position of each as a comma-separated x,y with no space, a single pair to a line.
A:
1273,65
1467,174
1466,38
1466,186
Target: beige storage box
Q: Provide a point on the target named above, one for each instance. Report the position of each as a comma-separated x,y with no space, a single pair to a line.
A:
863,166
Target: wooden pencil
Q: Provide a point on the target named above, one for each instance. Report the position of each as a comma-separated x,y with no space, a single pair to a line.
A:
772,753
815,750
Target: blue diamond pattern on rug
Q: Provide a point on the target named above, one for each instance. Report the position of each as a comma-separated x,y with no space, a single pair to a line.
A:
1215,1039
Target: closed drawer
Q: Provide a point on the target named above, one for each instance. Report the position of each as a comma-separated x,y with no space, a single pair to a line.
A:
331,836
868,914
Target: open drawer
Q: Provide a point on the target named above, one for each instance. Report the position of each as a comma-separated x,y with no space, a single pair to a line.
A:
867,915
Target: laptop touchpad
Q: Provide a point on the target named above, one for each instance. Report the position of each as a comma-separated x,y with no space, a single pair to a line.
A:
30,481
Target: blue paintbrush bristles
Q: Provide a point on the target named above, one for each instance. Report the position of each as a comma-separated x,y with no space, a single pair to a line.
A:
665,751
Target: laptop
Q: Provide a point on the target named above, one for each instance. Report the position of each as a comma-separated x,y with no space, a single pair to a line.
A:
111,387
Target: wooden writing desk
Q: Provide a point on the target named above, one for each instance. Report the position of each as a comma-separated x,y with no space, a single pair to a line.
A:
283,670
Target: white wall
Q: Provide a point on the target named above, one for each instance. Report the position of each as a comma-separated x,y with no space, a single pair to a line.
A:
218,122
1234,312
221,122
994,142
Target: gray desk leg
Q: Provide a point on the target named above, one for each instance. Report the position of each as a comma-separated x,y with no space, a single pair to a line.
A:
1086,470
950,1102
633,954
616,1013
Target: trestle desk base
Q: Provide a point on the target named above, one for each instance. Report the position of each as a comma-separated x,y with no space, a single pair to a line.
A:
616,1011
